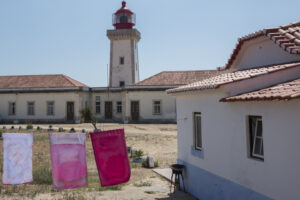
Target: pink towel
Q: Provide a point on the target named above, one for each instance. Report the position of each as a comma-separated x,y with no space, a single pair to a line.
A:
17,158
68,160
111,156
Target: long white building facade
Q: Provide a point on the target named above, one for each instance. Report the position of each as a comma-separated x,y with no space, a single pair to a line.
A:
238,132
59,98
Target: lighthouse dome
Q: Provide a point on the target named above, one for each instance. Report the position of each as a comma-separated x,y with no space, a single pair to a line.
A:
123,18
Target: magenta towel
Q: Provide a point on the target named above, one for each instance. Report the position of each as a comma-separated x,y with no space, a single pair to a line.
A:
68,160
111,156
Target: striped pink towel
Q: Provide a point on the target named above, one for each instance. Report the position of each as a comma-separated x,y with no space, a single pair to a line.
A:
68,160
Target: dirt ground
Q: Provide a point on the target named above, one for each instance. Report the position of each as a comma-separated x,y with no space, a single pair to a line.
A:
157,140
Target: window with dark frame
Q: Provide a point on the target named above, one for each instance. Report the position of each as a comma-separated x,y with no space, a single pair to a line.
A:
50,108
122,60
30,108
11,108
156,107
197,131
97,105
256,137
119,107
122,83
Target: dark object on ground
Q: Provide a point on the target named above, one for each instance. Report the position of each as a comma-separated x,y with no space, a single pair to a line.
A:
177,169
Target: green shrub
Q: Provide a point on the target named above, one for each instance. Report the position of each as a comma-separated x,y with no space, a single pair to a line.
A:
86,114
138,153
72,130
29,126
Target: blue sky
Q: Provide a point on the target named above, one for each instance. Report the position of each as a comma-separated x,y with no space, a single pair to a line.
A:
69,36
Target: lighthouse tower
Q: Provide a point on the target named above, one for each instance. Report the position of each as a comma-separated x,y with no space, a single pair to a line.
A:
124,65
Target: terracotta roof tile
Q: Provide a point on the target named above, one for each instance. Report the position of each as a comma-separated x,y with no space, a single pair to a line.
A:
38,81
287,37
178,77
230,77
283,91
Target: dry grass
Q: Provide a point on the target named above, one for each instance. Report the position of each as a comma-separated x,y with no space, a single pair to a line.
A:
159,141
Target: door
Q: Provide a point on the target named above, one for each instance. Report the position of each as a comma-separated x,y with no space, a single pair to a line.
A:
135,113
70,111
108,110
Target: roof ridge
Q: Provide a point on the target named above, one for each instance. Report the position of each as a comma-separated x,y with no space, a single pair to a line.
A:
191,70
262,32
73,81
30,75
215,82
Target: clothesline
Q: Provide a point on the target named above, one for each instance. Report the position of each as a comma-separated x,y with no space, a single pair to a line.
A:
68,158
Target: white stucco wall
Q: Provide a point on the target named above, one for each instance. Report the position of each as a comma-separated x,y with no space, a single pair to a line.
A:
260,52
224,137
146,98
121,48
40,101
136,62
114,97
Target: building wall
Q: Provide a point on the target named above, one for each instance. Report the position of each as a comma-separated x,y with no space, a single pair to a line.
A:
146,98
40,102
122,48
261,52
114,97
223,169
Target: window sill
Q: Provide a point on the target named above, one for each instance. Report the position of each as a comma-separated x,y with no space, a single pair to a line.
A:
256,159
197,152
156,113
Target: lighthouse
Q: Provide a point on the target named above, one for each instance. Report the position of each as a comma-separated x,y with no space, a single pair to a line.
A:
124,63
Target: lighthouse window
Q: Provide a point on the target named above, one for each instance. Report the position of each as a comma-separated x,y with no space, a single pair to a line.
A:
123,19
121,60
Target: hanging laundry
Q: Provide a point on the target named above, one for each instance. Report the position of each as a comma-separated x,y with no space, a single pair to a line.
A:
111,156
17,158
68,160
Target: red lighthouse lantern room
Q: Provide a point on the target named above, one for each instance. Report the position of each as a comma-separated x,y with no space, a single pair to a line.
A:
124,18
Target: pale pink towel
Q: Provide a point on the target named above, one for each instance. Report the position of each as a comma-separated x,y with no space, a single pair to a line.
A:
68,160
17,158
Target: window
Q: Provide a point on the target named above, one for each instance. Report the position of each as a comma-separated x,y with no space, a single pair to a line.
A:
50,108
197,131
256,137
98,105
11,108
156,107
121,60
119,107
123,19
30,108
122,83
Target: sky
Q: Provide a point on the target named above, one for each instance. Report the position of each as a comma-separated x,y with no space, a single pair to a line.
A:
69,36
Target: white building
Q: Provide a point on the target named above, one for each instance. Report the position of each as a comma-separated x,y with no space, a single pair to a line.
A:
58,98
239,132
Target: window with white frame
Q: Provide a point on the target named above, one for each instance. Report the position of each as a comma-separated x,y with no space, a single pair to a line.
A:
256,137
50,108
197,131
156,107
30,108
12,108
119,107
97,105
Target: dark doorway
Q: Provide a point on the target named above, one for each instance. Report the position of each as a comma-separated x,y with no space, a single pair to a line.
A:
135,112
108,110
70,111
